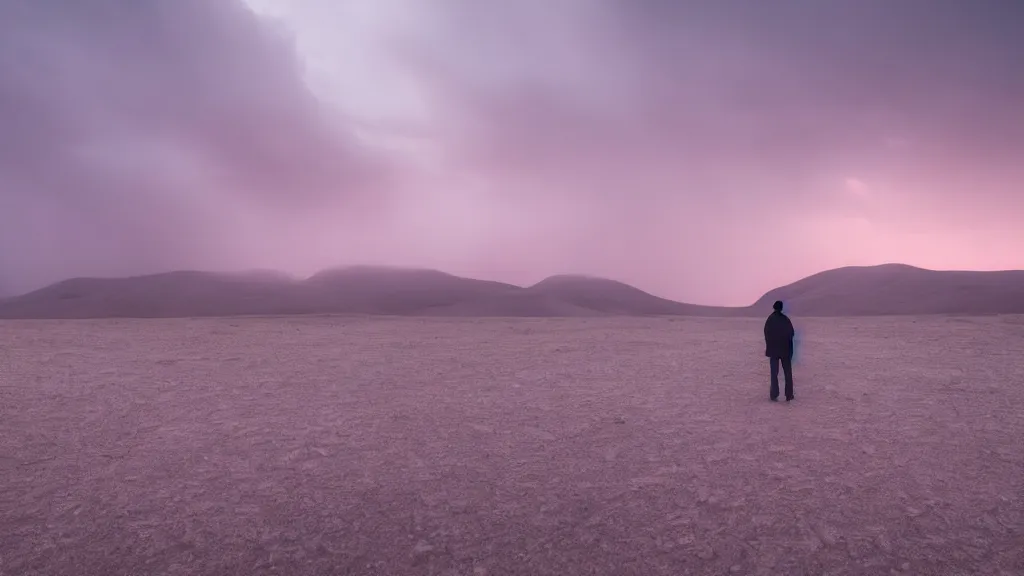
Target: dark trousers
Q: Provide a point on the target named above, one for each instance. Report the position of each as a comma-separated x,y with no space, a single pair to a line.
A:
787,367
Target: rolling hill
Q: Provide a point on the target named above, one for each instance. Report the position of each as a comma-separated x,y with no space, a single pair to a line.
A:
172,294
888,289
396,291
896,289
577,295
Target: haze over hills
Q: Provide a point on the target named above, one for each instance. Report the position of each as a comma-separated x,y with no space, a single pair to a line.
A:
888,289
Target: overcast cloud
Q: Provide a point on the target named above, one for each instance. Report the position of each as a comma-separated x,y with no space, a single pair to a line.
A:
704,151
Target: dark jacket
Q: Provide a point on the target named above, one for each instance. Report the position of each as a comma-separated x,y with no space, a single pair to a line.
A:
778,336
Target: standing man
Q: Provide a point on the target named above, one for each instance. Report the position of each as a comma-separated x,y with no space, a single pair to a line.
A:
778,347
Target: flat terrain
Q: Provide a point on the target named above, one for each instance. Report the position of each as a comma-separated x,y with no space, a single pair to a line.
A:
485,447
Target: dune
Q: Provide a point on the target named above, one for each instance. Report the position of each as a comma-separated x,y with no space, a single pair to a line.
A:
889,289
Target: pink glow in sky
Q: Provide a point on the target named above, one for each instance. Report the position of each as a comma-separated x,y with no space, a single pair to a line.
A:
703,151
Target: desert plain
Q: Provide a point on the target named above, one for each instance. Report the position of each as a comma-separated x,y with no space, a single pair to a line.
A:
433,446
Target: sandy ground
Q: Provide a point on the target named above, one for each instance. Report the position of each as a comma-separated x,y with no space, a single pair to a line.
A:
487,447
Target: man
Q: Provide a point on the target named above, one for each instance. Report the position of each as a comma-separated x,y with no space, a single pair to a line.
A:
778,343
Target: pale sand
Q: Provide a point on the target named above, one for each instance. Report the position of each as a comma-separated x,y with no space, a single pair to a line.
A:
603,446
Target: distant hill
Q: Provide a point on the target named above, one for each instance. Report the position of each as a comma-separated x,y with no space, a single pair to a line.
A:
172,294
397,291
853,291
891,289
577,295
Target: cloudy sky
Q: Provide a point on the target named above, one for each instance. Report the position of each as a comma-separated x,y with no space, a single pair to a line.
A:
705,151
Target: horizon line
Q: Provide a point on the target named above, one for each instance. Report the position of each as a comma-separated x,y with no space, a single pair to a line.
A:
469,275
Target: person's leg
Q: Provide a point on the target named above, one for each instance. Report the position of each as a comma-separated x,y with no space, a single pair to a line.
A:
773,362
787,368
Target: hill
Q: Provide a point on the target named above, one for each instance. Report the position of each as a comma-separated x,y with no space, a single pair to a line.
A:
172,294
892,289
397,291
853,291
356,290
577,295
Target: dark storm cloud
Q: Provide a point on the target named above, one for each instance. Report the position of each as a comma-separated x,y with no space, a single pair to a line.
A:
135,133
706,151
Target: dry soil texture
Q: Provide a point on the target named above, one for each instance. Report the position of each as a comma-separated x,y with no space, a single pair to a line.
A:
538,447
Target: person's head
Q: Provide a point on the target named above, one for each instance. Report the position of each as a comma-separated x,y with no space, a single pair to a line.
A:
777,306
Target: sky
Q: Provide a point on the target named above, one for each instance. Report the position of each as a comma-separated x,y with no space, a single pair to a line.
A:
705,151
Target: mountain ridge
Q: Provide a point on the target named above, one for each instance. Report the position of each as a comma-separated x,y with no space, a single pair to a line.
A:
885,289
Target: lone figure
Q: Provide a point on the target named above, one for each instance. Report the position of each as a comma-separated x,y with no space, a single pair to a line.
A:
778,347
